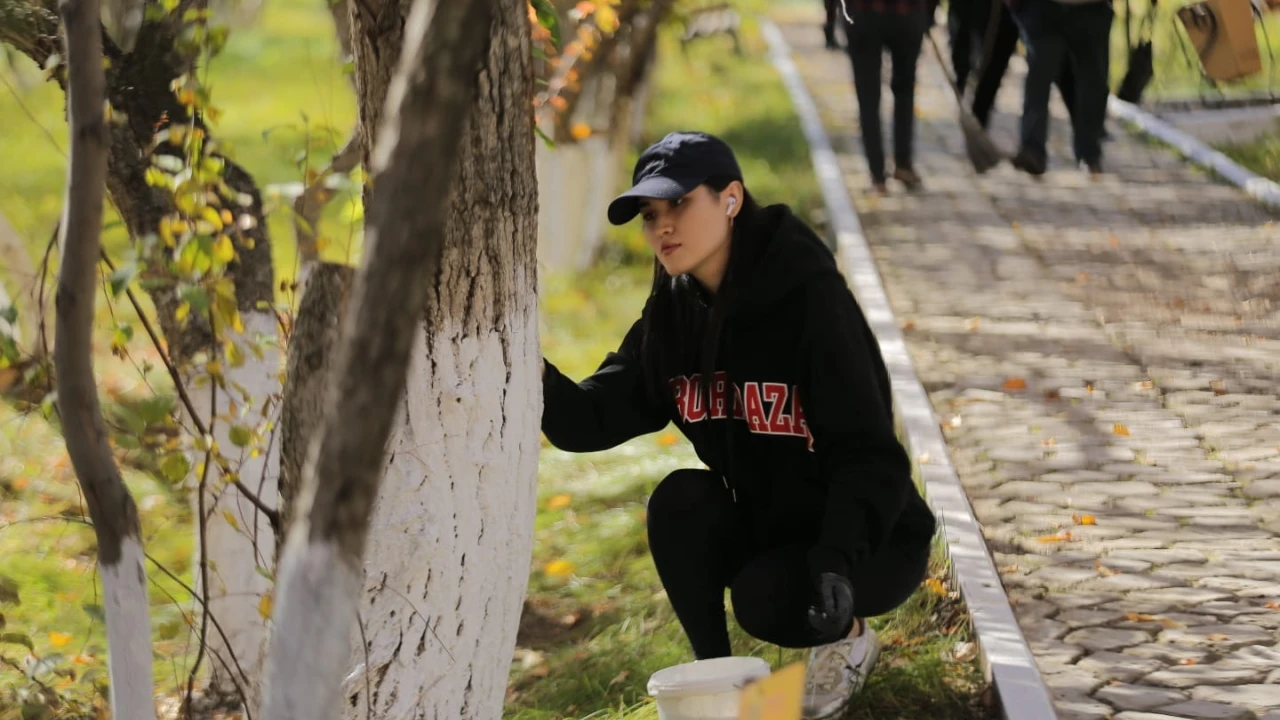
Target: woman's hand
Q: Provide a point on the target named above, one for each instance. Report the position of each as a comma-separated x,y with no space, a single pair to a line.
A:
832,612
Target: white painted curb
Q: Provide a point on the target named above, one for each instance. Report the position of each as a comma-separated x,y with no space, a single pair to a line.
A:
1261,189
1009,663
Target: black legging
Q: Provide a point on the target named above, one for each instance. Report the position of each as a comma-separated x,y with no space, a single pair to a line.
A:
700,545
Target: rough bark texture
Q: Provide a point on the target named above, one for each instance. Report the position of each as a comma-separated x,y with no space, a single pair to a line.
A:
447,561
377,34
428,105
316,332
138,86
115,517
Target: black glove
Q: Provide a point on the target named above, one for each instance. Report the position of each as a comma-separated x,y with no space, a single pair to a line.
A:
832,613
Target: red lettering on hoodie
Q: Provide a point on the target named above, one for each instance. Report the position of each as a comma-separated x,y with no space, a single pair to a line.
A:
756,419
696,412
798,424
776,395
761,405
718,396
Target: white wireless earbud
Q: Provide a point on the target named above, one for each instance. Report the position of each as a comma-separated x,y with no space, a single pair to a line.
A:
732,202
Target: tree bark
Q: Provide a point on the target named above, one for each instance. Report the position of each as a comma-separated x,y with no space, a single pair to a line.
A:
316,331
138,88
115,517
448,554
319,580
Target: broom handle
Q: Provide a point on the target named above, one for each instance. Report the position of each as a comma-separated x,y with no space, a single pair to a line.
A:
937,54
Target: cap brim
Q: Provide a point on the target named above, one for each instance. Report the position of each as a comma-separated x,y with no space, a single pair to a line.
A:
627,205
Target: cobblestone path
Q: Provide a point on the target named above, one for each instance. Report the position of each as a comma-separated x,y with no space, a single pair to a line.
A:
1103,357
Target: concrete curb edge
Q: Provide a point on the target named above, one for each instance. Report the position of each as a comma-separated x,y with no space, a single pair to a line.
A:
1259,188
1007,659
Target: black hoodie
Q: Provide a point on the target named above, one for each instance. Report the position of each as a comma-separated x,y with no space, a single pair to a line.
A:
811,454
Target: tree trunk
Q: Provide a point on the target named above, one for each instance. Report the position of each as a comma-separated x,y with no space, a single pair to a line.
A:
319,579
448,556
138,87
316,332
243,554
115,517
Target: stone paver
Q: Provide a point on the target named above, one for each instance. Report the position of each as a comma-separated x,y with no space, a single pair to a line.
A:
1104,359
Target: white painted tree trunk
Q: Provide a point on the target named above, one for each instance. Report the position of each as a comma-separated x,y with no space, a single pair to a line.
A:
408,266
448,557
124,590
111,507
237,553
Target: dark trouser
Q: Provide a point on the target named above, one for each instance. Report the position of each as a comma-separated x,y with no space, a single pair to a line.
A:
1056,34
1002,48
829,27
966,31
701,545
869,35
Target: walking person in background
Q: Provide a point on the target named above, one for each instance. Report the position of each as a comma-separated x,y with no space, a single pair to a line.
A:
974,25
899,27
832,8
1056,33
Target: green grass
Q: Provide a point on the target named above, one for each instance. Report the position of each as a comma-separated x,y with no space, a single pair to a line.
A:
597,623
1262,156
1174,75
279,83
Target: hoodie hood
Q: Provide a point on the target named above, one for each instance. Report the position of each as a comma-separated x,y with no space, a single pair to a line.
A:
785,255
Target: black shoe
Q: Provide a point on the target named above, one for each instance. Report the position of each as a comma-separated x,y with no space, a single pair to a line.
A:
1029,163
908,177
1093,166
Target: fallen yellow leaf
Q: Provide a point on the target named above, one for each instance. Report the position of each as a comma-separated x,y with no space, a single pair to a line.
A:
1120,430
1186,661
558,568
935,585
58,639
264,606
1084,519
559,501
1063,536
1014,384
1140,617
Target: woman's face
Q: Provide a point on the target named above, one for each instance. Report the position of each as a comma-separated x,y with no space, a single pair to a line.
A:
691,234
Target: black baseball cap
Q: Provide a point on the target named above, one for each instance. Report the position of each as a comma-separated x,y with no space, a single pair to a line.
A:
671,168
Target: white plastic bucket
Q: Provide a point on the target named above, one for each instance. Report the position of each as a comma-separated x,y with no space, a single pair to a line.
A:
705,689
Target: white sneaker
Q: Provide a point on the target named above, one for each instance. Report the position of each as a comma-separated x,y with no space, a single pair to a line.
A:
836,673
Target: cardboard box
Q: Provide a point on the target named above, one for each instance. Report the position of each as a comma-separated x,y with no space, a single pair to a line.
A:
1222,33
